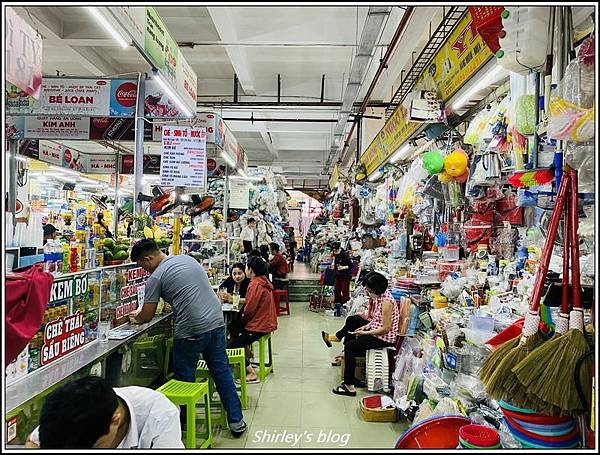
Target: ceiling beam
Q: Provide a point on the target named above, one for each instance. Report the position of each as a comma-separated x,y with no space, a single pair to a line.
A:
225,24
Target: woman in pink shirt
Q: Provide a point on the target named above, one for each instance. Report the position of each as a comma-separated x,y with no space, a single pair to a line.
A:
378,330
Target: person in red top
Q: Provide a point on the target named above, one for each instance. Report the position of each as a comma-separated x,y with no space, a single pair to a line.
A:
259,316
279,266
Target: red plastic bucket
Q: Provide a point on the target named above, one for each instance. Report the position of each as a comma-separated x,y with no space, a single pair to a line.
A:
433,433
512,331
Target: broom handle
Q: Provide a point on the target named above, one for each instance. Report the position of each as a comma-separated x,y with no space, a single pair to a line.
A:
540,279
564,306
574,224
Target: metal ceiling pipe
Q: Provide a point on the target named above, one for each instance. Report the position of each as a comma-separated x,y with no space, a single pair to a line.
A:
382,66
283,120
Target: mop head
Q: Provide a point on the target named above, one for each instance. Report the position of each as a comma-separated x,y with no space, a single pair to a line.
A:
548,374
503,384
490,365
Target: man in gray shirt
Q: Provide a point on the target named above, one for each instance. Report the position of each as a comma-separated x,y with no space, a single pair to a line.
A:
199,324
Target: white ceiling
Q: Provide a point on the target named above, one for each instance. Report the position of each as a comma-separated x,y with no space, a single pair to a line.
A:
257,43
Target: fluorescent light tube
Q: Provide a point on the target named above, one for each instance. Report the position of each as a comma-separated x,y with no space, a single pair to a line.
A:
400,153
165,86
64,170
94,11
375,176
227,158
483,82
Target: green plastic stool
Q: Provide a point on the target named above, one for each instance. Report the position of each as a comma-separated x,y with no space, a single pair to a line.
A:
168,372
264,368
188,394
202,375
237,356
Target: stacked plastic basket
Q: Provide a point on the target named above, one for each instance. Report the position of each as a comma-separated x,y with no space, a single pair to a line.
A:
478,437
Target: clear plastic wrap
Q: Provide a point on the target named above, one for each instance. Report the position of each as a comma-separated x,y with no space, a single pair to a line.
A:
580,156
572,105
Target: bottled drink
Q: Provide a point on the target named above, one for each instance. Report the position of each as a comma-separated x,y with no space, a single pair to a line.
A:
48,256
74,259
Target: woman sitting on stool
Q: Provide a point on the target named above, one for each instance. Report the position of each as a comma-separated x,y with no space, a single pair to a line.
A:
237,281
378,330
259,316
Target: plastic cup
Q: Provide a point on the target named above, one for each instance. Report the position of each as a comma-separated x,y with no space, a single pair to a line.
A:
103,329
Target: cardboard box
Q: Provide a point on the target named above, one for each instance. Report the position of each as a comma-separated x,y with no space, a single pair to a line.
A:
360,372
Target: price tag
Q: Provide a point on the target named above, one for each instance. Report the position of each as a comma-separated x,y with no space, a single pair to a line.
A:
11,429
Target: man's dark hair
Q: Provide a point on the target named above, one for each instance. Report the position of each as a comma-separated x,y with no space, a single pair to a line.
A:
274,246
49,229
376,282
142,248
77,414
336,246
251,220
254,253
258,266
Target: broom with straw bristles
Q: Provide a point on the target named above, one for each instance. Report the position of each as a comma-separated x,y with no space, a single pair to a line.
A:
548,373
502,361
520,395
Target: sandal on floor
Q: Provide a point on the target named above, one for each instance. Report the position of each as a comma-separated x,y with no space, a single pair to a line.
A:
324,335
343,390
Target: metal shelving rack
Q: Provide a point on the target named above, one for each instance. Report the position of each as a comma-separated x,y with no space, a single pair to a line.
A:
437,39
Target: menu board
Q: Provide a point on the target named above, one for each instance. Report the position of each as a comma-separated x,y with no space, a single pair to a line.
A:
183,160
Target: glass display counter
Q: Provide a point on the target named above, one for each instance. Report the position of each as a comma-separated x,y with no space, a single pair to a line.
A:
67,347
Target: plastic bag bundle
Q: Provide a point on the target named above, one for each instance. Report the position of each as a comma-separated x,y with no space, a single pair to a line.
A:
572,106
581,157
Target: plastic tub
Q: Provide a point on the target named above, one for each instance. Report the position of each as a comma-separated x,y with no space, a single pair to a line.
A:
482,323
433,433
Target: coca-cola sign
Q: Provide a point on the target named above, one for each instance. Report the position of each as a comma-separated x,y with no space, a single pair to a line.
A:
78,97
126,94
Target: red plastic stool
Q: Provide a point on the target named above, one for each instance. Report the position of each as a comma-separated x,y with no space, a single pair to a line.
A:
277,295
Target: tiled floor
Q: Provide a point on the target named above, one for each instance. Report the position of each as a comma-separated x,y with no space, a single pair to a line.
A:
302,272
295,408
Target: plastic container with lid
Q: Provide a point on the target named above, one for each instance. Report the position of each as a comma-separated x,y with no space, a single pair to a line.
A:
524,39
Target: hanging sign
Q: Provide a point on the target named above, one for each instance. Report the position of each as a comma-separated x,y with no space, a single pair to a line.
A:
69,288
186,81
131,292
463,54
99,164
50,152
23,64
62,336
87,97
183,157
117,129
151,164
239,194
46,127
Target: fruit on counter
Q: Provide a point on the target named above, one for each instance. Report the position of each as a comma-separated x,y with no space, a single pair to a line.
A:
121,255
108,256
109,244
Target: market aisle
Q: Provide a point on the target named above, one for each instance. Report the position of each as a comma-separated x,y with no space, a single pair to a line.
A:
297,397
302,272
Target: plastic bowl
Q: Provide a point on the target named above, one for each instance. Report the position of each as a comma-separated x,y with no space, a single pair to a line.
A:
537,419
433,433
540,437
546,430
479,435
539,443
